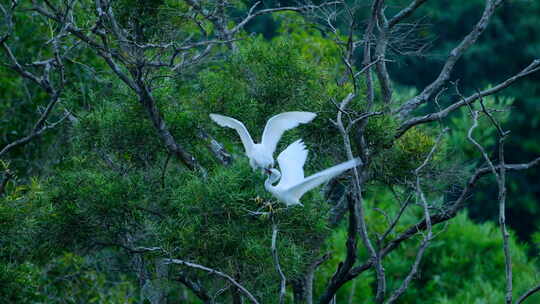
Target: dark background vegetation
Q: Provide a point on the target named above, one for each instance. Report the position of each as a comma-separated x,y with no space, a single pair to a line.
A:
511,41
67,202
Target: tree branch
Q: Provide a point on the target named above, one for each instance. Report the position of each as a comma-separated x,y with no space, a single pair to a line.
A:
443,216
252,14
310,275
427,238
527,294
275,256
405,13
451,61
531,68
380,52
56,63
196,288
36,131
339,278
500,176
135,81
216,272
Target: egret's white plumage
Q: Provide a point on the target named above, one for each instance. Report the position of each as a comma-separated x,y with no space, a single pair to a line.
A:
293,185
261,155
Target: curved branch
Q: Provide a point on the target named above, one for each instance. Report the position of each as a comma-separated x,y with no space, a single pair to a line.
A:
451,61
406,12
456,206
252,14
216,272
527,294
531,68
275,255
428,237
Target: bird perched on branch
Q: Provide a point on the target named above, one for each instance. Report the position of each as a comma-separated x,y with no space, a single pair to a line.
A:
261,155
292,183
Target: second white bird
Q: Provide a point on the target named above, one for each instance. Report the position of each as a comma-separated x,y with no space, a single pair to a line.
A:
293,185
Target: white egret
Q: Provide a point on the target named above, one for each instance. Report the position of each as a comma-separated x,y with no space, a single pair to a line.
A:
293,185
261,155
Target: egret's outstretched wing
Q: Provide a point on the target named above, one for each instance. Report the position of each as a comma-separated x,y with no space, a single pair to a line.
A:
230,122
291,163
321,177
277,125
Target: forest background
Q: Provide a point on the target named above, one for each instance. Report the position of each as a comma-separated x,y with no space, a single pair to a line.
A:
89,205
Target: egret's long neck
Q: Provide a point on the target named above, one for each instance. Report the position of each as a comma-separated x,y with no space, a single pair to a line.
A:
268,184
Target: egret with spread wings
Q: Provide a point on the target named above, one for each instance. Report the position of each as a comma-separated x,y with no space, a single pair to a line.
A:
261,155
293,185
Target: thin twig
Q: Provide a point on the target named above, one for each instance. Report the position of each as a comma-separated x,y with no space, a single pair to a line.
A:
454,55
248,294
500,176
283,279
528,293
445,215
533,67
310,275
427,238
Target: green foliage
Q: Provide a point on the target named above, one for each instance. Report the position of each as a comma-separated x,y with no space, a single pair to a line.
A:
264,79
513,35
70,233
190,217
115,126
473,251
20,283
65,280
464,264
120,189
395,164
213,215
142,18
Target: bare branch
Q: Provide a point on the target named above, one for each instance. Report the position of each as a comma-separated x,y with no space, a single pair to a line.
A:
216,272
500,176
405,13
310,275
502,221
528,293
452,59
252,14
44,81
395,221
531,68
357,224
275,256
195,287
340,276
444,216
36,131
381,45
369,65
17,66
215,147
427,238
361,118
376,13
119,65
